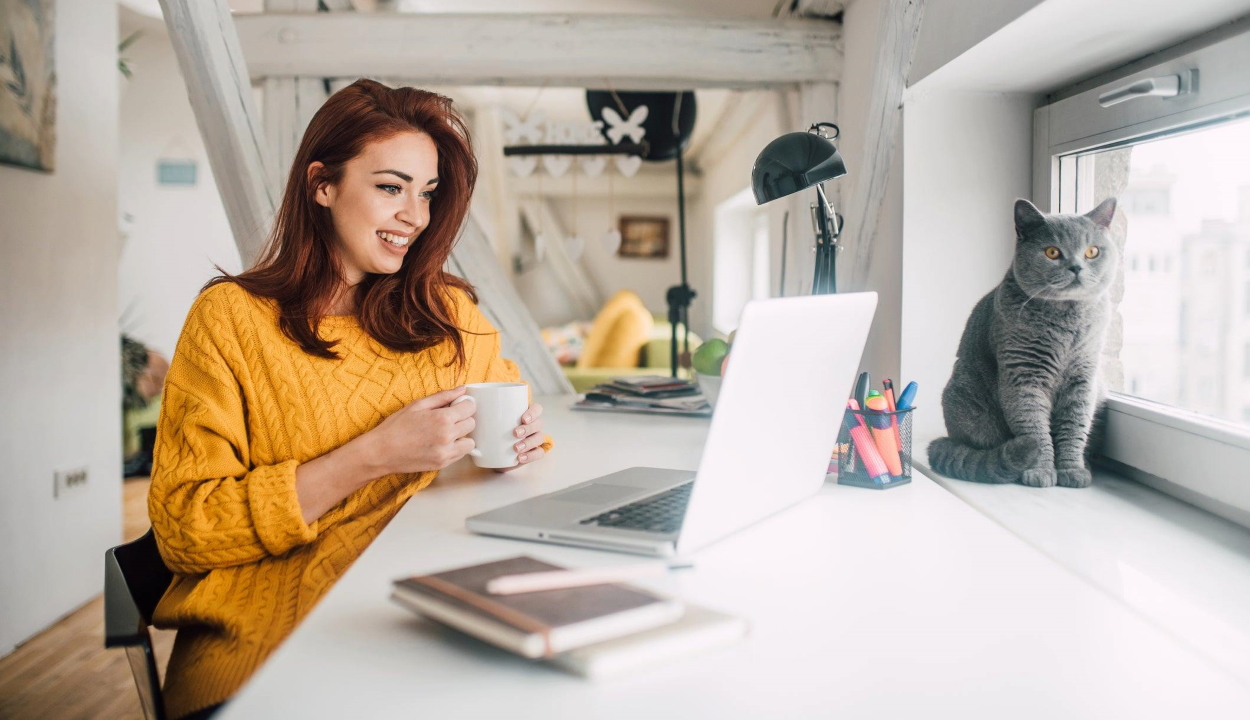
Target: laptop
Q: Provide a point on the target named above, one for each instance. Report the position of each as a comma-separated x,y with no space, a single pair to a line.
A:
774,427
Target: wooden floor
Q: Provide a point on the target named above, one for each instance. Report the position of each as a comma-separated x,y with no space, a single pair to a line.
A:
64,672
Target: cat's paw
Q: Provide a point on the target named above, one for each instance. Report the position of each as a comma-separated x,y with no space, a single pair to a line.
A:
1075,477
1039,477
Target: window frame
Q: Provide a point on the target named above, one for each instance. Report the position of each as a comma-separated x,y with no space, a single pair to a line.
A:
1203,460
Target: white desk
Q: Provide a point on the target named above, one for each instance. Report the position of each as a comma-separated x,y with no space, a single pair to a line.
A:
894,604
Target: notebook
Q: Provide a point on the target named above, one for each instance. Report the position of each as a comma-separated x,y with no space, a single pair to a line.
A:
699,630
537,624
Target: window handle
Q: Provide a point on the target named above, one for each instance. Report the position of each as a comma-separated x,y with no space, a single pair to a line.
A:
1166,86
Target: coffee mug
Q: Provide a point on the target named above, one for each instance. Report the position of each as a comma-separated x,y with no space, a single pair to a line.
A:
497,412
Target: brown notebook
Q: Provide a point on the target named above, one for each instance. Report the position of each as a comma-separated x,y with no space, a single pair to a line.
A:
537,624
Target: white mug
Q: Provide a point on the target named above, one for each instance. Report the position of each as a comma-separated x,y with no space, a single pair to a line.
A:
497,412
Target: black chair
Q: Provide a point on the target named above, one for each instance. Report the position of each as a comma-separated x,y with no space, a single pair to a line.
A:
135,578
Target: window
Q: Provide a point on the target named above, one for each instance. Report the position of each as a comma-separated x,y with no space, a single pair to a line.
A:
1178,165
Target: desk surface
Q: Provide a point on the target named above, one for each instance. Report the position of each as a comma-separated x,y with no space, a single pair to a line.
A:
898,603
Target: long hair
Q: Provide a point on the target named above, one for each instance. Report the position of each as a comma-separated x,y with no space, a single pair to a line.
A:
299,268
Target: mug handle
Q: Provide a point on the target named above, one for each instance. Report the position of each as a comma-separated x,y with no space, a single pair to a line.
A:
474,452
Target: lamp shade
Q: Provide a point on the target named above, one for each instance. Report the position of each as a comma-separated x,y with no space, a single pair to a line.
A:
793,162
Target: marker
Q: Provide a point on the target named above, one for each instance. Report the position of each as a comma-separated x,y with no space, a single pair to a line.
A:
888,385
908,397
861,390
884,437
867,448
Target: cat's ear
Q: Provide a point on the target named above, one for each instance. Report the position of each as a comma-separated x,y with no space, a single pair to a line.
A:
1027,216
1103,214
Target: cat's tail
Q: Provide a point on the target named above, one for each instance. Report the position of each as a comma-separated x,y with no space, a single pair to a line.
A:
1002,464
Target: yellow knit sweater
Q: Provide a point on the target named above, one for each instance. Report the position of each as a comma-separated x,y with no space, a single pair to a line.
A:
243,406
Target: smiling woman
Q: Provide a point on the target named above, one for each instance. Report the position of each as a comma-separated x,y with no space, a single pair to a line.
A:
310,396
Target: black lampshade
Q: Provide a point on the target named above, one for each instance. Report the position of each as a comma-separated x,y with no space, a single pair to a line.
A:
793,162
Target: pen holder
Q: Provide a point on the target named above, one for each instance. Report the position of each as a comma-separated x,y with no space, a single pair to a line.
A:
875,453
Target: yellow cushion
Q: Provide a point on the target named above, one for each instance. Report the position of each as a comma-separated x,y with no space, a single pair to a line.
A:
619,331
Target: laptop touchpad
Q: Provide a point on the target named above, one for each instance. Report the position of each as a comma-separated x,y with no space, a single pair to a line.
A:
596,494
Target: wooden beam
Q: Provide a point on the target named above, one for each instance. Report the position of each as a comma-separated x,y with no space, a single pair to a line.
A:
498,299
203,36
900,25
221,96
290,102
655,52
583,295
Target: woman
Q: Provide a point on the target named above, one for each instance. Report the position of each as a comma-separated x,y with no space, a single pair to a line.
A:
310,397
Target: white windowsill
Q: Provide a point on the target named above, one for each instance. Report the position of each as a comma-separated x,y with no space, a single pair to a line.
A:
1182,568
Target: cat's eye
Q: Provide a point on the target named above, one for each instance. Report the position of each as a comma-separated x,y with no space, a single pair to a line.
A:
1092,251
1053,252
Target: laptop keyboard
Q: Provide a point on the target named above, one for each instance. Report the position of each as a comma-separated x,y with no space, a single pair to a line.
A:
659,513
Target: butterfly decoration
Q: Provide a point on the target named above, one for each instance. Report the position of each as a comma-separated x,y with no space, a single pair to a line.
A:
619,128
522,132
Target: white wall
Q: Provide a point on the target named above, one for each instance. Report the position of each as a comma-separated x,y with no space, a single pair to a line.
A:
726,172
174,234
967,161
60,370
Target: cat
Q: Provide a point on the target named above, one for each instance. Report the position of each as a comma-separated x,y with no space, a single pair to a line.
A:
1021,400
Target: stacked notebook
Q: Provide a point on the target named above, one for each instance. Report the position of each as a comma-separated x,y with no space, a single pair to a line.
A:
595,631
648,393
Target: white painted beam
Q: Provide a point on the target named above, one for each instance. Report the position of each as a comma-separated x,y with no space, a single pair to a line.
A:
583,295
221,96
290,102
900,25
654,52
474,260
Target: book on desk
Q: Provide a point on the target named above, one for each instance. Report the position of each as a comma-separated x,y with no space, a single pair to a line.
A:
650,394
595,631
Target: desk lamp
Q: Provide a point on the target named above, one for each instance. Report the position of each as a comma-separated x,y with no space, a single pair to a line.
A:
796,161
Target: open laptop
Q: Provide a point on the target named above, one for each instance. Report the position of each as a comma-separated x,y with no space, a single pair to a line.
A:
775,424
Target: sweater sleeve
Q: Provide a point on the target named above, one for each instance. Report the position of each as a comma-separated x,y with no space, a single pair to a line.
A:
498,368
210,507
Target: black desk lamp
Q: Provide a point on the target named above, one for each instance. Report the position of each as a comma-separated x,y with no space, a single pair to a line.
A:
796,161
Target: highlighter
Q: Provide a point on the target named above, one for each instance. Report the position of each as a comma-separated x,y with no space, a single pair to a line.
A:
908,397
888,385
884,436
864,445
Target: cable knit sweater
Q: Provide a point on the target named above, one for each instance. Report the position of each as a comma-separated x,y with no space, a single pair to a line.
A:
243,406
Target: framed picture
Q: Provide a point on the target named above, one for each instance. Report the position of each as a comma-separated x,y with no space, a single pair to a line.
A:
27,83
644,237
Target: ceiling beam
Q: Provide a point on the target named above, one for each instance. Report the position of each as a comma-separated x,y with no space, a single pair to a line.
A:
627,51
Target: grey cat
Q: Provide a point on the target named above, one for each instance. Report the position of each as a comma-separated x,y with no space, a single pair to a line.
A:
1022,397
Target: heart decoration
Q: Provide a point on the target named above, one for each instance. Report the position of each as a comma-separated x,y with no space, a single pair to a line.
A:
612,241
523,165
628,164
593,165
557,165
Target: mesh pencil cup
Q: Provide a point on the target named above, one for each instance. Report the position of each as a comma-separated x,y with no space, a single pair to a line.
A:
874,449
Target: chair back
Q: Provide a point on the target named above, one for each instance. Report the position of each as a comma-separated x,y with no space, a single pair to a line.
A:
135,578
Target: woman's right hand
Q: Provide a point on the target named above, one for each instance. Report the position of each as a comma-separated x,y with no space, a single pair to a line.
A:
428,434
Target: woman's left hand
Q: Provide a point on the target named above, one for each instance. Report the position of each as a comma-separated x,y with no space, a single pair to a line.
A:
529,438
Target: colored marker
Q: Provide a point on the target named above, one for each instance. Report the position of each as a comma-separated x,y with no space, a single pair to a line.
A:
884,437
867,448
888,385
861,390
908,397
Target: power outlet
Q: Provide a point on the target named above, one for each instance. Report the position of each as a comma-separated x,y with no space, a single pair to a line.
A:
65,481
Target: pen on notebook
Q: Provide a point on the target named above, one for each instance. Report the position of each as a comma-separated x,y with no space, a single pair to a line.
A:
578,577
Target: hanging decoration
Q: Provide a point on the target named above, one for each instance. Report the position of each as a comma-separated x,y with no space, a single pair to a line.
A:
612,238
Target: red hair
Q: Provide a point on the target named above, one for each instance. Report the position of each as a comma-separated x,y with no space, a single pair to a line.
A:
409,310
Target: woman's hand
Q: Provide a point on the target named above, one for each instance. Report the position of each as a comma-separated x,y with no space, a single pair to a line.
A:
529,438
428,434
